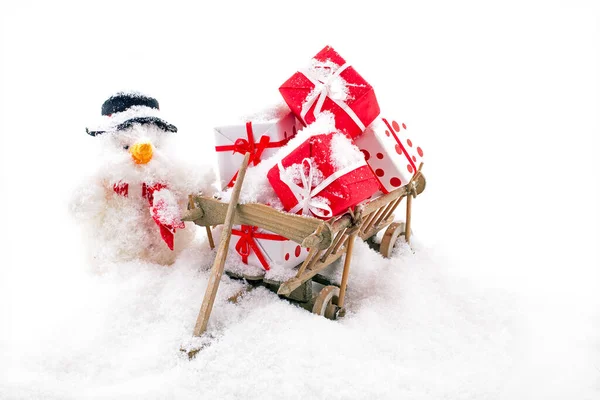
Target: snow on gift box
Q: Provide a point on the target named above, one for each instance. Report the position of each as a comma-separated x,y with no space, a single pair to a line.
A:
261,134
390,153
323,177
329,83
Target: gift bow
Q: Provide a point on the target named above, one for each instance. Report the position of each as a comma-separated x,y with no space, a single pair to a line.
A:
247,243
323,90
306,195
256,150
244,146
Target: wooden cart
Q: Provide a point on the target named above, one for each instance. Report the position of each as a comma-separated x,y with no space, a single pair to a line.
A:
326,241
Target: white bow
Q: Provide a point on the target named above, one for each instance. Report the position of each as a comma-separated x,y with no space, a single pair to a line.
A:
322,90
306,197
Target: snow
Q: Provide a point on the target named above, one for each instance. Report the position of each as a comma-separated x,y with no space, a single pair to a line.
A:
345,153
500,299
167,209
325,72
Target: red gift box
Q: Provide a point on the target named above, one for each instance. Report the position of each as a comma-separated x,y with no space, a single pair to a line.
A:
331,84
313,181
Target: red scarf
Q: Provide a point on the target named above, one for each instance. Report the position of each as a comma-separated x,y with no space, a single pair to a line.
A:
167,231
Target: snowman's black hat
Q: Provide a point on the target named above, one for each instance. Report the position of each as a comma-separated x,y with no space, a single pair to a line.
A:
136,106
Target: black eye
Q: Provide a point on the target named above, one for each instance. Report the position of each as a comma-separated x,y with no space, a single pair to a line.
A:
126,147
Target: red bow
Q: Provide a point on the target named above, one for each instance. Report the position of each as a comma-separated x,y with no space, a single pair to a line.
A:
256,150
247,243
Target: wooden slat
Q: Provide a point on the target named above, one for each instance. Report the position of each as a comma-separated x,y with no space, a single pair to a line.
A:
385,213
317,257
384,200
336,240
312,254
339,244
346,271
375,217
297,228
408,218
367,220
290,285
391,210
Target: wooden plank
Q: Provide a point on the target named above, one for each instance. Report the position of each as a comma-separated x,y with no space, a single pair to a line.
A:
384,200
419,183
217,269
390,213
375,229
385,213
290,285
209,235
346,271
339,244
338,237
298,228
367,220
311,255
372,220
408,218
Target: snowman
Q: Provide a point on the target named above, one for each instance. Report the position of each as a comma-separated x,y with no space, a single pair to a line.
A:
132,204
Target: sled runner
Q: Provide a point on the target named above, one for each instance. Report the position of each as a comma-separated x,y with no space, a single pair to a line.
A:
327,241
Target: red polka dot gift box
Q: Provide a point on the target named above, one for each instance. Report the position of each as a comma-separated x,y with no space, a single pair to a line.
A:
262,136
329,83
261,248
323,177
391,153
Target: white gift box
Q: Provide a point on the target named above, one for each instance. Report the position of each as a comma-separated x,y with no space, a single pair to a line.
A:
261,248
259,136
390,152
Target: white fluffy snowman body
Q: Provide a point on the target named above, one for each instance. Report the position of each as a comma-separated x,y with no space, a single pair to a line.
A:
131,206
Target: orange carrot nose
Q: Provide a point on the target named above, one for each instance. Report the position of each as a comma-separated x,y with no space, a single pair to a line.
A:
141,152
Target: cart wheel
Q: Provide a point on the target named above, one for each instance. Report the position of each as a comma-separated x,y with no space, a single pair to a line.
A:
325,302
421,183
391,235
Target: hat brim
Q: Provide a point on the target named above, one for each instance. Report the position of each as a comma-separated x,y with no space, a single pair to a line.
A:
165,126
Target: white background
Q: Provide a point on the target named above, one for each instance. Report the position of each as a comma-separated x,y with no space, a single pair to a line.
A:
503,96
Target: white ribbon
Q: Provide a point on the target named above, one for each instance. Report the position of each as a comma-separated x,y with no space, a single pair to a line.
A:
321,91
306,196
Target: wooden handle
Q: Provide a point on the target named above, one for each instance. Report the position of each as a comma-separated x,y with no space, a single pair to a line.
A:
217,269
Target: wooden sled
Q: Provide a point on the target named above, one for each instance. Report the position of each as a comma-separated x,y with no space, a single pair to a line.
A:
326,241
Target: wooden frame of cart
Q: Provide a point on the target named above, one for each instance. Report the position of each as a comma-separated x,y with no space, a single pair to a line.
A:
326,240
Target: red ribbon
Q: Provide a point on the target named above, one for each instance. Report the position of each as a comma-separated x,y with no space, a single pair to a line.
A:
256,150
148,191
167,232
121,188
408,157
247,243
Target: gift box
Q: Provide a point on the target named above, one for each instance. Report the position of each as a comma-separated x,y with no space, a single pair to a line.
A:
390,152
323,177
261,248
262,138
331,84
